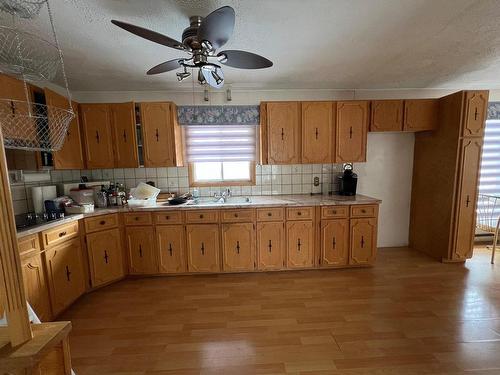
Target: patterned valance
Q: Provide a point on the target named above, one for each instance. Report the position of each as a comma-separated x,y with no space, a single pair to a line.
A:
494,111
219,115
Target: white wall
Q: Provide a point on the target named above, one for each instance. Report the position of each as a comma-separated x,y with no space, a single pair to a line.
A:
386,175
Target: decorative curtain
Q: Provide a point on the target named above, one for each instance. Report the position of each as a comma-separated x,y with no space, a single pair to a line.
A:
219,115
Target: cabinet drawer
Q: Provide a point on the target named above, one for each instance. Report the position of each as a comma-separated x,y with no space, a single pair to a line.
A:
138,218
364,211
300,213
237,216
94,224
207,216
60,234
28,244
270,214
168,217
334,212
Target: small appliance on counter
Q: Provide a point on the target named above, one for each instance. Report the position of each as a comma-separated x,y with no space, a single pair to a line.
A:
348,181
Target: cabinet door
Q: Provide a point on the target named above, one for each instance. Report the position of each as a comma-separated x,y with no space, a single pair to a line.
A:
300,238
170,240
158,135
65,274
238,247
476,109
363,241
203,247
317,132
124,135
351,129
470,160
270,246
35,285
105,256
96,124
386,115
283,128
334,242
70,156
420,114
141,250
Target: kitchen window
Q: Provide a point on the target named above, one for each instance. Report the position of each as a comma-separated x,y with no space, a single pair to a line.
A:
221,154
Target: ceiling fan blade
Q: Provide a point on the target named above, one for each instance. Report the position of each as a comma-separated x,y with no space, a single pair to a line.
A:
243,60
165,67
149,35
213,77
217,27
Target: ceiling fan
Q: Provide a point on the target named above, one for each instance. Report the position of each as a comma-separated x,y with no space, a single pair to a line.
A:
201,39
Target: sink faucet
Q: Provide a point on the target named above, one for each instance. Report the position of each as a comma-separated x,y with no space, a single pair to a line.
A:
223,197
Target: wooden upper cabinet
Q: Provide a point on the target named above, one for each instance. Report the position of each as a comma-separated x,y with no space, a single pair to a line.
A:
351,131
300,244
386,116
203,247
470,160
124,135
476,110
141,250
70,156
97,134
170,241
158,135
238,247
420,114
317,132
283,132
105,256
363,241
334,242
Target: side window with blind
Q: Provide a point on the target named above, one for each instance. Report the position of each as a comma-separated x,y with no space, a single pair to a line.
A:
221,154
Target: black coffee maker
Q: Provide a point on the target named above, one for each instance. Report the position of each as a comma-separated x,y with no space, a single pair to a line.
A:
348,181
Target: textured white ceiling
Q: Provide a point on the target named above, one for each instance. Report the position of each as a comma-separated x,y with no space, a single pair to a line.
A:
338,44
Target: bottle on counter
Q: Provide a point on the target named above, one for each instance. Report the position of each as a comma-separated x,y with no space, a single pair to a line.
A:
102,198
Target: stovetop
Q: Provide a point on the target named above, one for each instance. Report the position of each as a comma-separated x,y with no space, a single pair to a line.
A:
32,219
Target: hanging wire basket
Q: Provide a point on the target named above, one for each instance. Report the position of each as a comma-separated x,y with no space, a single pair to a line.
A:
22,8
33,126
26,55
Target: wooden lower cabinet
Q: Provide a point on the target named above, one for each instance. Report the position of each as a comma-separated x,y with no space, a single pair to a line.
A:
105,256
363,240
35,284
300,244
65,274
171,248
202,242
141,250
238,247
270,246
334,243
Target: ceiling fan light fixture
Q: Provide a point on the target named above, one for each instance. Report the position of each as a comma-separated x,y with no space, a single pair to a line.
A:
222,58
217,77
183,75
201,77
207,45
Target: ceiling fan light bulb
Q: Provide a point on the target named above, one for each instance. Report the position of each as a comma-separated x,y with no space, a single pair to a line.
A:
222,58
217,78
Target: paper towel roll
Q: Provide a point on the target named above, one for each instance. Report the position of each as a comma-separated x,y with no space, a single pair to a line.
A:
36,195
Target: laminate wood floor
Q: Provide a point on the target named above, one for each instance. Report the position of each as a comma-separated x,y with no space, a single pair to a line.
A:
407,315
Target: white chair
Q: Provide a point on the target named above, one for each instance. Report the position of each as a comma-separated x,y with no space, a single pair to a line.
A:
488,218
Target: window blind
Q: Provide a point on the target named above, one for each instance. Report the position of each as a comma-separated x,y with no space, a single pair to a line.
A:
220,143
489,181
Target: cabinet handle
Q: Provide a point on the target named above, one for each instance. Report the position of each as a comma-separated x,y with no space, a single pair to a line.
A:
12,107
140,251
136,218
237,247
299,213
334,212
170,250
201,216
362,241
62,234
269,214
124,136
467,201
282,134
97,136
157,135
298,244
202,248
106,257
334,243
68,274
102,222
270,246
475,114
363,211
167,217
317,133
235,215
350,132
